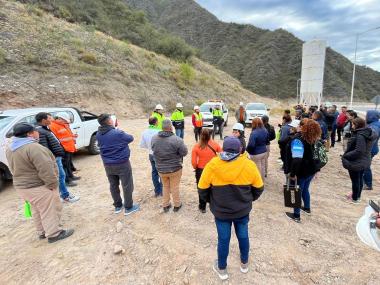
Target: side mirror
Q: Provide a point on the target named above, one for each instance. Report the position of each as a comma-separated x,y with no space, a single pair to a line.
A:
225,111
268,109
9,135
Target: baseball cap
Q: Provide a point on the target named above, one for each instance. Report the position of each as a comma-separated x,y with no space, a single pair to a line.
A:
21,129
231,144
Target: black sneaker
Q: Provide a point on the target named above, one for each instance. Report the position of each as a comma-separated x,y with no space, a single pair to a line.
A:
203,211
367,188
306,210
74,178
176,209
71,183
167,208
41,236
292,217
62,235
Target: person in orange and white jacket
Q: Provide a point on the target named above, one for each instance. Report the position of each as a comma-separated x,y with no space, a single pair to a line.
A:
61,129
197,121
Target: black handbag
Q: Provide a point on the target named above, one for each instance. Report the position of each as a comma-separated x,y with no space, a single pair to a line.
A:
292,194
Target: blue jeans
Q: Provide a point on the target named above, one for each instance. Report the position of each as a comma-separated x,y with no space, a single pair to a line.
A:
180,133
64,193
368,175
304,184
224,236
155,176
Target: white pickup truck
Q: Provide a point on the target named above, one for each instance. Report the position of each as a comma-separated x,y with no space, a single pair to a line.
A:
84,124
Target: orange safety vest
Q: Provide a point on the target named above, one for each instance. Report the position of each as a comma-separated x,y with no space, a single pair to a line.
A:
198,120
64,135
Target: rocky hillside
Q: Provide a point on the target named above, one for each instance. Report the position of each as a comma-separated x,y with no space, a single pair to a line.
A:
45,61
267,62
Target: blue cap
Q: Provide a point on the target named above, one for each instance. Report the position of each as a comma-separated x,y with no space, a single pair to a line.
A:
231,144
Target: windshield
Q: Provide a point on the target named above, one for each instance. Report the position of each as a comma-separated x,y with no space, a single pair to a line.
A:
256,106
206,107
4,121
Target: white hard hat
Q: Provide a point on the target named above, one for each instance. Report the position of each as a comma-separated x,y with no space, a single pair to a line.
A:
159,107
295,123
179,105
196,107
64,116
241,104
238,127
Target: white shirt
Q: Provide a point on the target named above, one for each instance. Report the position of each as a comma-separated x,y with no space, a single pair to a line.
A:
146,140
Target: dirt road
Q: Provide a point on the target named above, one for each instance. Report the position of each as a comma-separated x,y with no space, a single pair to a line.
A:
179,248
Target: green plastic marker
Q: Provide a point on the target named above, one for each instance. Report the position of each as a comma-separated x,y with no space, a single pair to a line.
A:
27,210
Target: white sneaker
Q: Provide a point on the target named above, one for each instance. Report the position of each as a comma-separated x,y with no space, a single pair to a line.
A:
222,273
71,199
244,268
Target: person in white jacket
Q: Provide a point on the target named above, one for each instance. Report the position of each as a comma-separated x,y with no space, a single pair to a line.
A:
146,142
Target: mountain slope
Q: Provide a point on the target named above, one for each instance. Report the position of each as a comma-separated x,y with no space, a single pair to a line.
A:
269,63
47,61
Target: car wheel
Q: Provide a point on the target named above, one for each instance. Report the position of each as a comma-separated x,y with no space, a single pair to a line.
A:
93,148
2,180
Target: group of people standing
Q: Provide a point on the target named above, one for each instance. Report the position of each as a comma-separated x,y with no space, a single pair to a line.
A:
228,177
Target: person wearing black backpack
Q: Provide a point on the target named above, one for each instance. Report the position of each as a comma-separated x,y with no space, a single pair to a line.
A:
300,165
271,137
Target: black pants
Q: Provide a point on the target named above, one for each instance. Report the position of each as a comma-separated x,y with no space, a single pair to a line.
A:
218,126
67,162
339,132
115,174
197,133
357,183
198,174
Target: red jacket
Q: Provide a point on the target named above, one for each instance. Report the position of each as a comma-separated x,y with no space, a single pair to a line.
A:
342,118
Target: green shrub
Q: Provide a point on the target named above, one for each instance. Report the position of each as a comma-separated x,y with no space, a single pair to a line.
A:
116,19
88,58
187,72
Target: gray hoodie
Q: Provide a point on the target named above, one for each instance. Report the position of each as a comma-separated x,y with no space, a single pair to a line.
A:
168,152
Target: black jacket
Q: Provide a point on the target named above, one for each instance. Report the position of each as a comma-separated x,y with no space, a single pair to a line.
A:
358,154
300,167
271,133
48,140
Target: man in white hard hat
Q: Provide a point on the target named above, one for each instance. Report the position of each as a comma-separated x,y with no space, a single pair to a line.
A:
61,129
197,121
241,114
178,121
158,113
238,132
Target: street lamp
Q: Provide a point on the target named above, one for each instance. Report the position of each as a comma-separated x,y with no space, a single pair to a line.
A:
353,71
298,97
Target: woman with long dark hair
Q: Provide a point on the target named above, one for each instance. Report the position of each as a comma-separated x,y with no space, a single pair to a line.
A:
201,154
300,165
357,157
257,145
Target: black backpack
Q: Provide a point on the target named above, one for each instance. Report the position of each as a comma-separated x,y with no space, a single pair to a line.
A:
319,155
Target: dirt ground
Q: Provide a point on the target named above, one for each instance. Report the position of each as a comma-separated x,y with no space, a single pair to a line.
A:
179,248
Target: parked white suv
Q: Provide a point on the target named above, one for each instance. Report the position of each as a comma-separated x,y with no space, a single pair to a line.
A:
206,108
255,110
84,124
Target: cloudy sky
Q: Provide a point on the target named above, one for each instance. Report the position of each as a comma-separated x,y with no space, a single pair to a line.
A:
336,21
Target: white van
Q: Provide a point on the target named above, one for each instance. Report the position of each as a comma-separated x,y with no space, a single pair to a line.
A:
255,110
205,110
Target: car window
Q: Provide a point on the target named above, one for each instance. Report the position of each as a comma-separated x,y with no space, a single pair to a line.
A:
29,119
5,121
205,107
256,106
